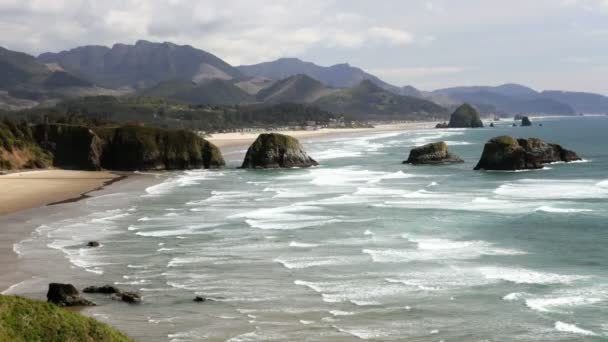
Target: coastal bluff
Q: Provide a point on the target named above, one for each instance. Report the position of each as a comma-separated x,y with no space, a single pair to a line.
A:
273,150
433,154
123,148
509,154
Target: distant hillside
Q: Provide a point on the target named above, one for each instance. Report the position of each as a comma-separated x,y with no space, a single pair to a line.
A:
586,103
507,99
337,76
295,89
26,82
367,101
141,65
211,92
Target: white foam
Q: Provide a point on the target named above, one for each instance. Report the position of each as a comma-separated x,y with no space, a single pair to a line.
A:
337,313
361,333
514,296
573,329
307,262
549,209
554,304
526,276
303,245
547,189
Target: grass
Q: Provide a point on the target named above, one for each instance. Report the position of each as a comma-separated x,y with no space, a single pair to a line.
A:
30,320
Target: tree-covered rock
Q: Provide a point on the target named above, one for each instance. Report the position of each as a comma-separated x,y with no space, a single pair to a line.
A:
73,147
18,150
434,153
507,153
276,151
24,320
147,148
465,116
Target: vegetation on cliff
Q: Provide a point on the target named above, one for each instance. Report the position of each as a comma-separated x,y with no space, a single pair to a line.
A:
29,320
18,148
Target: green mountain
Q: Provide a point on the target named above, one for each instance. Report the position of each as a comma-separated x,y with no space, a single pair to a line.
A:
294,89
141,65
212,92
367,101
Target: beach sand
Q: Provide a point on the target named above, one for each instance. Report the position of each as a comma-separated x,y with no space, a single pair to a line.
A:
31,189
246,138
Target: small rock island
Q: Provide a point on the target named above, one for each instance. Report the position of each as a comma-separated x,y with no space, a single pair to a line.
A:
465,116
273,150
432,154
509,154
525,122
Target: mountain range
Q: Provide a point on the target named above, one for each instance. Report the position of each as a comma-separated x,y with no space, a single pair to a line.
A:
187,74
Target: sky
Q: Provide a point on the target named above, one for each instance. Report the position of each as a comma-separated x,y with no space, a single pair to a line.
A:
430,44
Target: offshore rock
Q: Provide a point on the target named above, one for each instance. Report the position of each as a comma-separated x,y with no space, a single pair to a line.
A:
276,151
434,153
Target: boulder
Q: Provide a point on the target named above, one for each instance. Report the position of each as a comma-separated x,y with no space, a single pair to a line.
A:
93,244
129,297
66,295
106,289
442,125
434,153
275,150
525,122
199,299
492,124
507,153
465,116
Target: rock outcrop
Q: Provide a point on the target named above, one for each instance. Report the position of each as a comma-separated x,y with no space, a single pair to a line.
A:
105,289
129,297
442,125
73,147
93,244
525,122
66,295
276,151
434,153
465,116
507,153
146,148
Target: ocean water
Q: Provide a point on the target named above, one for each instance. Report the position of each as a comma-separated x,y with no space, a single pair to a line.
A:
360,248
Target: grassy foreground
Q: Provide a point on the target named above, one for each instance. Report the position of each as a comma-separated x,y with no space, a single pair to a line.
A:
29,320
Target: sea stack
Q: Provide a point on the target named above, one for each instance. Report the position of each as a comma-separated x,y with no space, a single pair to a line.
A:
507,153
66,295
275,150
465,116
433,154
525,122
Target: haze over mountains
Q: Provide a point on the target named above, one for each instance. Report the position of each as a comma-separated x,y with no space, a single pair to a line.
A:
187,74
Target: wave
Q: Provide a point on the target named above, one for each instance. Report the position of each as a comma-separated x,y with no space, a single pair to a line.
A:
552,189
526,276
188,178
307,262
303,245
553,304
549,209
573,329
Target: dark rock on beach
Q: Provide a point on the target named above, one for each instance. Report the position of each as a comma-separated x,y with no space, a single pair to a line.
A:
129,297
93,244
199,299
276,151
434,153
507,153
66,295
106,289
465,116
442,125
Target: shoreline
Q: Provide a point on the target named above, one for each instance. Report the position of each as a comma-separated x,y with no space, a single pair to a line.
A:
241,139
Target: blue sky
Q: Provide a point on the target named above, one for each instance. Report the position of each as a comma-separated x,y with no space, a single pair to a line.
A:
546,44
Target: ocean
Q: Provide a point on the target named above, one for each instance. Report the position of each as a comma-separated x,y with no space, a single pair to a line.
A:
359,248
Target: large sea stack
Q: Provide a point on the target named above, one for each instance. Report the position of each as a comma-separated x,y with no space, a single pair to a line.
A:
465,116
276,151
507,153
525,122
434,153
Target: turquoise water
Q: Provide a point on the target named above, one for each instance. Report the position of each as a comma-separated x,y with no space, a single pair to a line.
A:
360,248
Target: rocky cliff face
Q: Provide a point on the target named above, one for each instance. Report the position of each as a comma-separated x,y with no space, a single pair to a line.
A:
465,116
73,147
434,153
507,153
18,150
146,148
276,151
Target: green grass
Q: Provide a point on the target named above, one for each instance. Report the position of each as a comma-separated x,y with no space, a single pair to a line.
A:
29,320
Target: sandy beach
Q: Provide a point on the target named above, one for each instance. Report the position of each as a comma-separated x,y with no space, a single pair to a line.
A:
246,138
32,189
